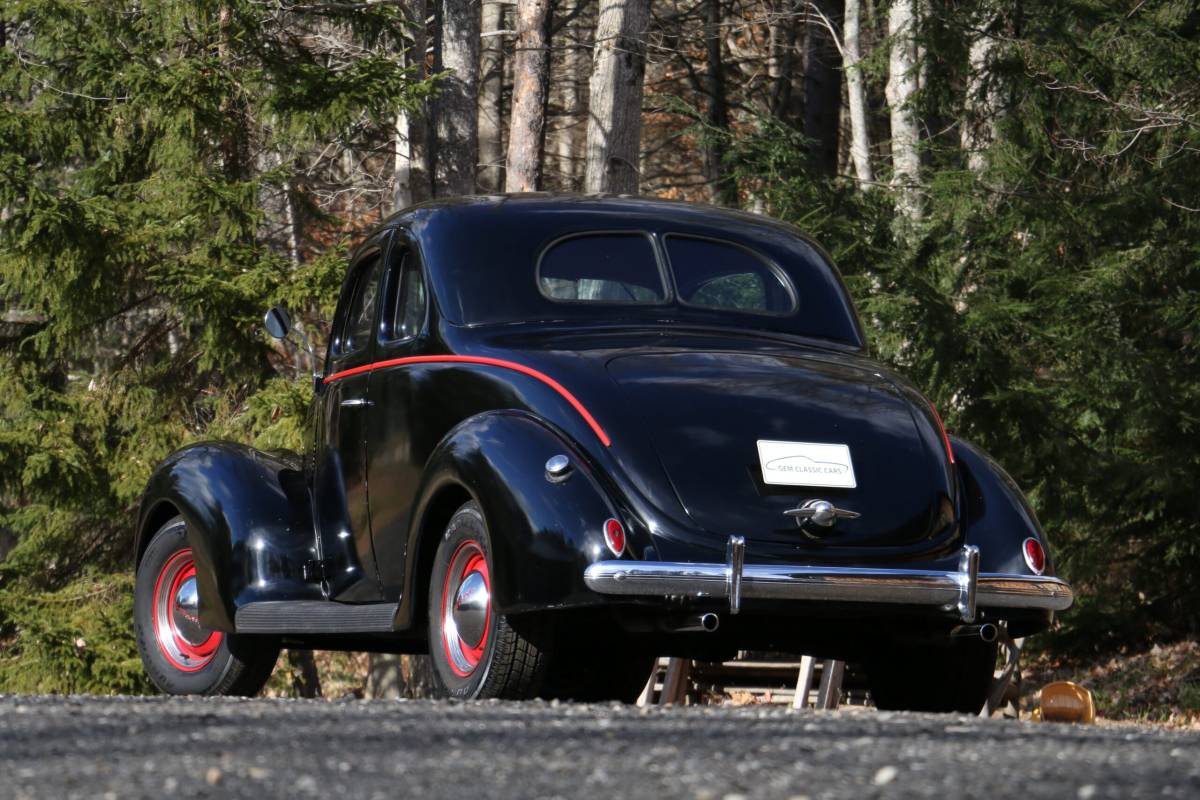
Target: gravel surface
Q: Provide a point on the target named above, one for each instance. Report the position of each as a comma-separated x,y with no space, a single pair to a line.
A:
188,747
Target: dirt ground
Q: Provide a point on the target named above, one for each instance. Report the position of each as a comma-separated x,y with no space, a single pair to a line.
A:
1158,686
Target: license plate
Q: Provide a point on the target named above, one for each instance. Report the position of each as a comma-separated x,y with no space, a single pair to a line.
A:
806,464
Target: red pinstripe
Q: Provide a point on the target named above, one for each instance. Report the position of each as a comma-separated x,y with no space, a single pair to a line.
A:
487,362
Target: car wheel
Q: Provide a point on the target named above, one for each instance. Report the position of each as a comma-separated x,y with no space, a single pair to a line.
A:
180,655
939,678
476,651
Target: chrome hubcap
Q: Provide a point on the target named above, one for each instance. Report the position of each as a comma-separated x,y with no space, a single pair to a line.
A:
185,615
466,608
471,608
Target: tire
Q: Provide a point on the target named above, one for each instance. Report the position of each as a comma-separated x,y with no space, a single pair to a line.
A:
478,653
181,656
938,678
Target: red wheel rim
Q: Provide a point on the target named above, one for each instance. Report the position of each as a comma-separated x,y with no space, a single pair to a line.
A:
466,612
186,644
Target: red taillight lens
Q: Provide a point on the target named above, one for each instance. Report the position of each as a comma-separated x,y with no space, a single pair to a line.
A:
1035,555
942,430
614,536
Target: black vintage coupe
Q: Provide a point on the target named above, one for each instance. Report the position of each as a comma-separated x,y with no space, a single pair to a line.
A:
556,437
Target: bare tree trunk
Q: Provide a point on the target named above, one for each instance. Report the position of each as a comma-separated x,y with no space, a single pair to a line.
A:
724,192
984,102
823,85
785,101
305,680
455,109
856,92
393,676
410,174
405,163
615,106
531,78
491,98
571,132
901,88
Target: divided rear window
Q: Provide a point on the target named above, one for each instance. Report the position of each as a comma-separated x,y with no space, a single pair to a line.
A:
602,268
623,269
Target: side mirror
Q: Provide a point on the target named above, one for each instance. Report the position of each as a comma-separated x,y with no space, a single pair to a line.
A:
278,322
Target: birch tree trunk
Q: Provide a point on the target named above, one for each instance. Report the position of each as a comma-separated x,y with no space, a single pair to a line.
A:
901,89
856,94
406,163
531,79
410,173
455,109
615,107
491,98
983,103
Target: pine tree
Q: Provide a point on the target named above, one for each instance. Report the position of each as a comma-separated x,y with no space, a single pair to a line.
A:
143,147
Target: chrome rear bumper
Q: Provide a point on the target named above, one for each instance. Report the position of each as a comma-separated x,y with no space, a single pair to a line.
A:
959,592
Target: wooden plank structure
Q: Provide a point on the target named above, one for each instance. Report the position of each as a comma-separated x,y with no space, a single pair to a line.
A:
758,679
680,681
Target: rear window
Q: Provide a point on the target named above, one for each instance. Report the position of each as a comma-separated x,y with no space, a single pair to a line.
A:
602,268
719,275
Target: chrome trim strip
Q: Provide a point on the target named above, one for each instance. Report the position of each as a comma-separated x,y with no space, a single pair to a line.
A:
840,584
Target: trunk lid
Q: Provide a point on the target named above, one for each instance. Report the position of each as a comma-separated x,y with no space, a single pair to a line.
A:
705,413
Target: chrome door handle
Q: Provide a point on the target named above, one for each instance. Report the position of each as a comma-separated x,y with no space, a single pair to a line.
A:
355,402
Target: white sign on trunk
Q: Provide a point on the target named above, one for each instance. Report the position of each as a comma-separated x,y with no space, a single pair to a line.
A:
806,464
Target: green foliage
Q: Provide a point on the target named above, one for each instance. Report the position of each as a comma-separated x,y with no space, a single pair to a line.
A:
74,640
150,153
1050,304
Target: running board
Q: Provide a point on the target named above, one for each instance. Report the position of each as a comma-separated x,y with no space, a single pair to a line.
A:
315,616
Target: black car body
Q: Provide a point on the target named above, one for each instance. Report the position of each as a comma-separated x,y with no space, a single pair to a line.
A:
699,376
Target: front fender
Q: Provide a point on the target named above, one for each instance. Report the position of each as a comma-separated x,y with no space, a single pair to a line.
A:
249,522
997,517
543,534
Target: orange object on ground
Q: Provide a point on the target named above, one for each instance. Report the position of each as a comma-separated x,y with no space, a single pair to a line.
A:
1064,701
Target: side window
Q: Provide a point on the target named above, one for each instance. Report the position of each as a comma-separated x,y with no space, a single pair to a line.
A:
360,318
410,300
724,276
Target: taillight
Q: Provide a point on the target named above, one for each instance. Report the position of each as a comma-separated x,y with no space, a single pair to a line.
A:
614,536
942,430
1035,555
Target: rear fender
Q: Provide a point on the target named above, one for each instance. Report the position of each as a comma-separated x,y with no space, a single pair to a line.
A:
249,522
997,517
543,534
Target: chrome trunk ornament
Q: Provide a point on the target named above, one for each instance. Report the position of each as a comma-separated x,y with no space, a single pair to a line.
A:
820,512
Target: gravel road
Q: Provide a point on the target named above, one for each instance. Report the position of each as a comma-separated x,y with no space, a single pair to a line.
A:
159,747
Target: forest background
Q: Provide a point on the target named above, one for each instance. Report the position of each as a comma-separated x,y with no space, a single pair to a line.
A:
1011,189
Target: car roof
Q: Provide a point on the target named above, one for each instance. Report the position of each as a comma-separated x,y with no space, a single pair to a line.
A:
602,205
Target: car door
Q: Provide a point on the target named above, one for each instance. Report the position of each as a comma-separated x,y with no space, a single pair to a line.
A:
347,561
397,444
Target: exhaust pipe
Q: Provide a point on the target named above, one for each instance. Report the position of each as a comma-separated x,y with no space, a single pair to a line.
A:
986,631
703,623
